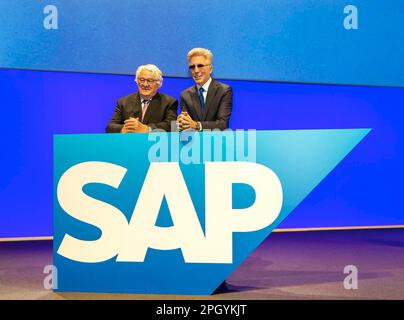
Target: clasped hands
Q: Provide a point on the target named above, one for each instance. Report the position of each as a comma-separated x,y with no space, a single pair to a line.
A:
134,125
184,121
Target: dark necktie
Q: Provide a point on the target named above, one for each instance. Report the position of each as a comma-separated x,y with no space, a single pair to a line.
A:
201,99
144,109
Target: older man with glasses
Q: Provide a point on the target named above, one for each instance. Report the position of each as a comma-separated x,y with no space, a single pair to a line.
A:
145,109
209,103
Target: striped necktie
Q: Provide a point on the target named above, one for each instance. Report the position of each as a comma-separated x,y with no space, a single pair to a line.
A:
144,108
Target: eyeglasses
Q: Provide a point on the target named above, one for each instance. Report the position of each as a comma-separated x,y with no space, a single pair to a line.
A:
149,81
193,66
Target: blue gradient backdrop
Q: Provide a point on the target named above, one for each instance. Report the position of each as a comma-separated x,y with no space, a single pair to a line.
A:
287,40
365,189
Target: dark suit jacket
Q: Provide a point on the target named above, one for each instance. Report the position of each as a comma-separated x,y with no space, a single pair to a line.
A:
217,109
159,114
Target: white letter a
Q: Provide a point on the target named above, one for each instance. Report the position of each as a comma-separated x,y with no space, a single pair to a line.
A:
51,20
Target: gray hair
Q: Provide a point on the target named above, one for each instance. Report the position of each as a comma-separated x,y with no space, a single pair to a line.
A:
201,52
156,72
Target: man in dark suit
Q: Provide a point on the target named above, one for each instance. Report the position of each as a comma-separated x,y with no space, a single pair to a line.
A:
209,103
206,105
146,109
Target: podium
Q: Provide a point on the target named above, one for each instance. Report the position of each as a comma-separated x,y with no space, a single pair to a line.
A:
177,213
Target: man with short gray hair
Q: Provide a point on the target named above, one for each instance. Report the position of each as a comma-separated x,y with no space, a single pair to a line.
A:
146,109
209,103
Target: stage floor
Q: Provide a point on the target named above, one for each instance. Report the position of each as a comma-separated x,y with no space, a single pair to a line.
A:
287,265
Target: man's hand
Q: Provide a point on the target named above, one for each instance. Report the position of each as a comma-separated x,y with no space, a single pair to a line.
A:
130,125
134,125
185,122
142,128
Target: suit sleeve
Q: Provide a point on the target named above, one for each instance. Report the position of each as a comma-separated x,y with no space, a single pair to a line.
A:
116,123
169,116
183,105
223,113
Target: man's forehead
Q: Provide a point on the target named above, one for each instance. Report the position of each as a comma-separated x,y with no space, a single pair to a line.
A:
146,73
198,58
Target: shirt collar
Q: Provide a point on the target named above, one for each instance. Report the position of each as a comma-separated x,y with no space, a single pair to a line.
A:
143,99
206,85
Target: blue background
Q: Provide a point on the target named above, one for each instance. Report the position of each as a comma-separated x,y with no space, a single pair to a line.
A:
280,41
277,40
364,189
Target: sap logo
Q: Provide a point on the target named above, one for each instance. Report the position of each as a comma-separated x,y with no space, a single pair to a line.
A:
130,241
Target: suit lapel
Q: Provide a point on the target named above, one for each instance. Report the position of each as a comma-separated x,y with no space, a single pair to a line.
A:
136,106
195,102
212,90
154,105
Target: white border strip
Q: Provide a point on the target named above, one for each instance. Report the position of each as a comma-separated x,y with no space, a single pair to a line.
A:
339,228
275,230
25,239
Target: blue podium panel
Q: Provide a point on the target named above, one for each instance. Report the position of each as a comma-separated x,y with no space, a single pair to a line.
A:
177,213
